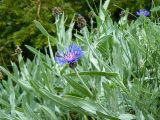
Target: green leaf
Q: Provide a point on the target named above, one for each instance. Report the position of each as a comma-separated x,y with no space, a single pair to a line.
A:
79,87
47,66
12,98
155,9
50,50
102,115
49,112
57,99
4,116
89,106
31,113
105,6
84,104
96,73
21,115
43,31
41,28
23,84
127,117
34,51
4,103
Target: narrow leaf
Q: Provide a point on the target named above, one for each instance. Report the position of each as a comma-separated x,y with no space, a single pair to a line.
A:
79,87
96,73
23,84
88,106
43,31
31,113
55,98
34,51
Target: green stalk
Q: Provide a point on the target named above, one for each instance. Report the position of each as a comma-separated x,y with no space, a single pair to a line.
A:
82,81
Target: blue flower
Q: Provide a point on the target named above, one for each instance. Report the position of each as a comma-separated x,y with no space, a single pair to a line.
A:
71,55
143,11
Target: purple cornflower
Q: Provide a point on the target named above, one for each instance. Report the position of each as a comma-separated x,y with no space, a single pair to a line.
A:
143,11
71,55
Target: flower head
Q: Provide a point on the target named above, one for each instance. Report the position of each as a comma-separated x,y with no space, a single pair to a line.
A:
143,11
81,22
91,15
18,50
56,11
71,55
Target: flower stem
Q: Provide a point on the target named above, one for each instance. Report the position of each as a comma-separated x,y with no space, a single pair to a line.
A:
82,80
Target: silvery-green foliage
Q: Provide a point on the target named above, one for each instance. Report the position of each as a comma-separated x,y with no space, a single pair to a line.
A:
118,77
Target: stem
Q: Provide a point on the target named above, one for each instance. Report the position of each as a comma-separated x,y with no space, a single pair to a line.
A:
91,24
81,80
38,9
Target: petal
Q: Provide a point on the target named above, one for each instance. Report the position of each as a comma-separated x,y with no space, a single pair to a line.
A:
70,55
60,59
137,13
143,11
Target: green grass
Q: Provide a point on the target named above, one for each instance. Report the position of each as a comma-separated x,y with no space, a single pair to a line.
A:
120,68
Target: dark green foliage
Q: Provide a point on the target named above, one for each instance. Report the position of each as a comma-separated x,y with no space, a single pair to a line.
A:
17,28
